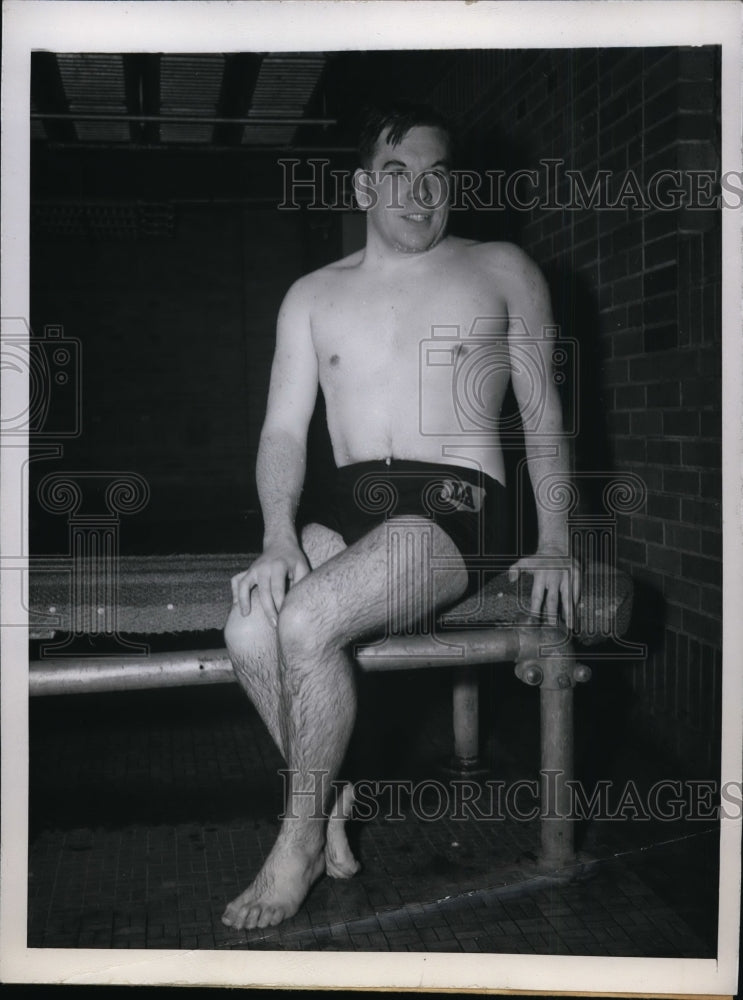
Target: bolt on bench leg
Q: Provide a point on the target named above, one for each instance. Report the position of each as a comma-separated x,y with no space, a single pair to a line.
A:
555,674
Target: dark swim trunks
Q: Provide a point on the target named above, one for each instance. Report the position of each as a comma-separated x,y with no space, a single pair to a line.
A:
468,505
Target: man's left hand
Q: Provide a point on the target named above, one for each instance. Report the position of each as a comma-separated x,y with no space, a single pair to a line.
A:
556,584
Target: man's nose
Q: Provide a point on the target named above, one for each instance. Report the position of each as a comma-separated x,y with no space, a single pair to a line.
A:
422,190
428,190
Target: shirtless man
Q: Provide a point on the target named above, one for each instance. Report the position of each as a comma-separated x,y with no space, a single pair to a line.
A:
355,328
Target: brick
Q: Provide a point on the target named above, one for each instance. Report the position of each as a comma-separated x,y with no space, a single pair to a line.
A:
646,368
701,625
703,454
711,485
660,280
614,268
664,559
705,513
618,422
700,392
631,550
626,342
646,422
647,528
660,225
615,371
710,543
662,135
660,338
681,481
701,569
664,452
664,506
710,425
683,593
662,394
681,423
674,617
710,601
662,309
662,103
627,290
661,252
629,397
630,451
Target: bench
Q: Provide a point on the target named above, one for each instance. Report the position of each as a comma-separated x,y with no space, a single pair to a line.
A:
125,599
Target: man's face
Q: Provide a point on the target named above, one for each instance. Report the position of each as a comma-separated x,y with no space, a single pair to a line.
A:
408,186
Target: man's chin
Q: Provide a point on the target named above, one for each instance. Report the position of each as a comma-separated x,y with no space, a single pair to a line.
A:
419,244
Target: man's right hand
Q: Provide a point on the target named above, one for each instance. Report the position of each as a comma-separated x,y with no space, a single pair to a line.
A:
280,562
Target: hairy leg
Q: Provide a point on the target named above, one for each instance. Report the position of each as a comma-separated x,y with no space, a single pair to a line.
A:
252,642
346,599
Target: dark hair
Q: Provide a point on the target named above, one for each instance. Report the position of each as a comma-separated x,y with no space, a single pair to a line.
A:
397,119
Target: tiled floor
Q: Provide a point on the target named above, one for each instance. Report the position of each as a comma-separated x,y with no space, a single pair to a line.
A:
150,810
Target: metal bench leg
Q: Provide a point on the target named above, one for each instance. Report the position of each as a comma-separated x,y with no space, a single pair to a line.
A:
555,675
466,723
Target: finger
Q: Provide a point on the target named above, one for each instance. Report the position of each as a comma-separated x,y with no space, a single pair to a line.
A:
576,585
244,588
537,595
300,571
265,596
567,602
278,587
516,570
552,598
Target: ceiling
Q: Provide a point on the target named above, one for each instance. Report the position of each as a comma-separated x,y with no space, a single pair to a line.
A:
244,99
118,138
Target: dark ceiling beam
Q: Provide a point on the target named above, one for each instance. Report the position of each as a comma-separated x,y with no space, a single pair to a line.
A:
48,94
142,86
238,83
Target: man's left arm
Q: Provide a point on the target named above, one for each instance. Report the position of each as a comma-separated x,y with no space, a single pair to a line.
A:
556,577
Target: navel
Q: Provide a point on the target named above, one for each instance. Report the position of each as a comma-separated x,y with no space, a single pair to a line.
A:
334,359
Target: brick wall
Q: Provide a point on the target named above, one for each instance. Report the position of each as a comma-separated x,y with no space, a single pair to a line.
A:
639,289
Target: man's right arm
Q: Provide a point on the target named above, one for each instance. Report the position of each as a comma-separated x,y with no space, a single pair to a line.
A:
282,455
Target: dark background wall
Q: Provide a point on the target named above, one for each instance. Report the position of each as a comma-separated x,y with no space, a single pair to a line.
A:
177,335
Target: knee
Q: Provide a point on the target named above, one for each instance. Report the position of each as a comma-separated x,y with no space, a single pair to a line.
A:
242,632
303,627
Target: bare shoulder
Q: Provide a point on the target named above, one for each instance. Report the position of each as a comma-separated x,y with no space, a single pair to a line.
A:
507,260
315,285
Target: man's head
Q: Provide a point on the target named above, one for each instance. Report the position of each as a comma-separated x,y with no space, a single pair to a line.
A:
403,183
393,122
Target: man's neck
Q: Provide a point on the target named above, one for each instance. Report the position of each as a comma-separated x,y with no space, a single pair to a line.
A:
380,255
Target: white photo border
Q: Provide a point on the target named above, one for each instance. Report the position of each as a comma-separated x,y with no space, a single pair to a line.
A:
302,25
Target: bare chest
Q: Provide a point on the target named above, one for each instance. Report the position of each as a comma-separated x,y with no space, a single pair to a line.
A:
366,331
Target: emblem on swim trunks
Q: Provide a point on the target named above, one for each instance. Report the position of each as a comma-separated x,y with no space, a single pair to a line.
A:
462,495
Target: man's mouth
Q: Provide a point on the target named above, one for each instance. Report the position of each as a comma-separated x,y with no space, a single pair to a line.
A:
418,217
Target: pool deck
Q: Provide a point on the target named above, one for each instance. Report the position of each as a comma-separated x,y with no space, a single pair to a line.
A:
150,810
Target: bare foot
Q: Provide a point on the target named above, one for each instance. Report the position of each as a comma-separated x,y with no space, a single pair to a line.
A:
277,892
339,859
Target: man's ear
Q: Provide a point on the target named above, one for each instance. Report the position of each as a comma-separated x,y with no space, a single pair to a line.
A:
363,188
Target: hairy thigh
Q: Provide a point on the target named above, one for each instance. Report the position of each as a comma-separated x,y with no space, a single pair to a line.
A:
320,543
393,576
